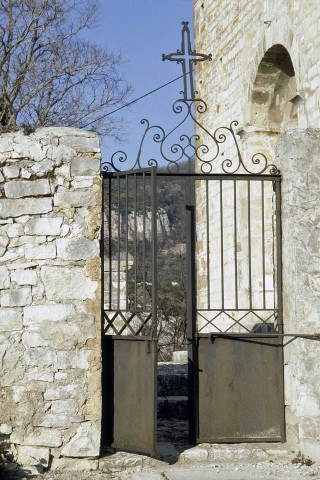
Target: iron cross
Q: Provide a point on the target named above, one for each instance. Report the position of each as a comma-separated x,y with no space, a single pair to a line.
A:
183,56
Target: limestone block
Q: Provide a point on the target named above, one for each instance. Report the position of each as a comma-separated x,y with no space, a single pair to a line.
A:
82,182
16,298
39,375
81,143
43,226
79,464
40,357
60,392
4,240
34,339
11,171
83,198
14,230
4,277
85,443
62,406
24,188
85,166
43,437
10,320
73,359
35,315
24,206
33,455
43,168
55,421
23,277
63,284
41,252
77,248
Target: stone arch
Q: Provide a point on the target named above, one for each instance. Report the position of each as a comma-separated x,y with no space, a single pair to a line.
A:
274,98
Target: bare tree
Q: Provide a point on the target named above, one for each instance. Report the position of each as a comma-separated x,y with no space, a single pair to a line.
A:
49,74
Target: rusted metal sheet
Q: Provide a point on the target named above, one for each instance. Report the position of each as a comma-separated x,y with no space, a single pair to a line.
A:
134,395
240,389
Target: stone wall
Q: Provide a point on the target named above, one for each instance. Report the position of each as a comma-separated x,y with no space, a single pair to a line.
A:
299,159
50,316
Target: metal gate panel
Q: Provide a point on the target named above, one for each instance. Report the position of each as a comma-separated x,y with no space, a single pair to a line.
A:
130,311
135,400
240,389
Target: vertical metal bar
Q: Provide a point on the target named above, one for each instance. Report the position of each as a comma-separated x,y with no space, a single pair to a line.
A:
208,242
127,246
154,250
119,245
221,243
110,243
135,242
235,244
191,310
144,241
249,247
279,255
102,256
263,246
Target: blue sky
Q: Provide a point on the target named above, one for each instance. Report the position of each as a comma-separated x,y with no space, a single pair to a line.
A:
143,30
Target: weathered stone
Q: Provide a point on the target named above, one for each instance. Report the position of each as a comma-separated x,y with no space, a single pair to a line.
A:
43,168
40,375
1,178
86,442
23,188
16,298
79,464
194,454
63,284
34,339
4,240
83,198
4,277
73,359
55,421
82,143
40,357
10,320
60,392
35,315
41,252
82,182
77,248
63,406
24,277
24,206
33,455
14,230
82,166
5,429
43,226
43,437
11,171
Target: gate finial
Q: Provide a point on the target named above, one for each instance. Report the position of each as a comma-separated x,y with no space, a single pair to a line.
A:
183,56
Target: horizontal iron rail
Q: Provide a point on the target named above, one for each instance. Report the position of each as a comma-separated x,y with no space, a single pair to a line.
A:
133,337
315,336
198,176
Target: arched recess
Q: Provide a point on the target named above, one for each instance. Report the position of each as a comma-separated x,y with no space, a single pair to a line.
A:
274,104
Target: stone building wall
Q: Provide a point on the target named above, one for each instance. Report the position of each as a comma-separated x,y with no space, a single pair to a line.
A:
265,74
50,295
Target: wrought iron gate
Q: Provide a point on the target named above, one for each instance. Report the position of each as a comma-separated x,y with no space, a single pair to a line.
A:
130,310
234,304
238,309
